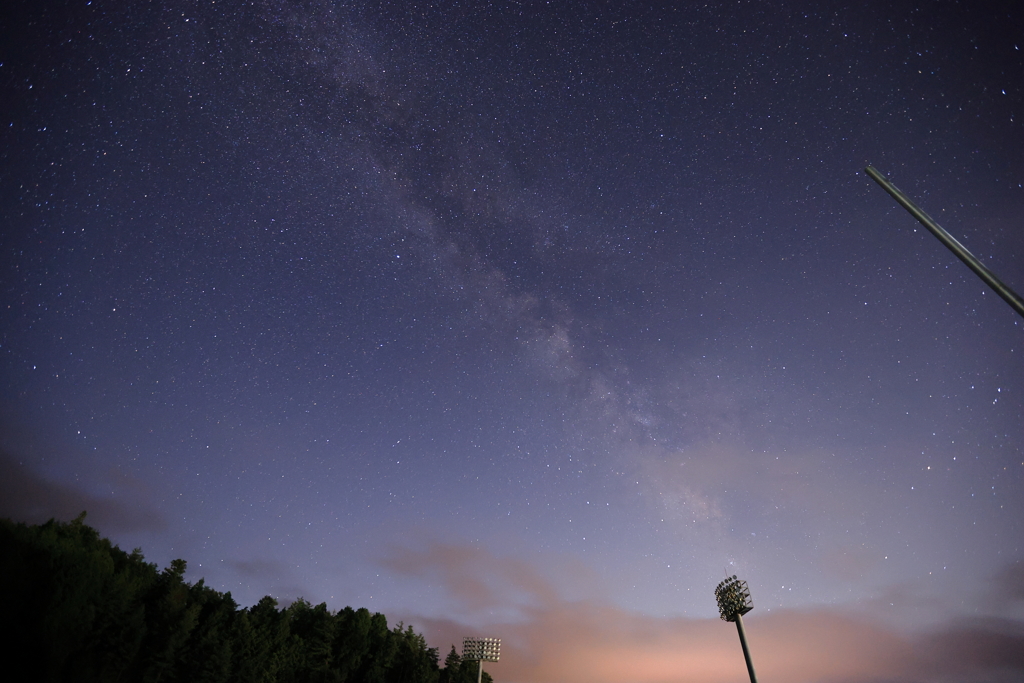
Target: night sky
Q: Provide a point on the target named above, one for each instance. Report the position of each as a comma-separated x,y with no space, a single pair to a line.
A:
533,320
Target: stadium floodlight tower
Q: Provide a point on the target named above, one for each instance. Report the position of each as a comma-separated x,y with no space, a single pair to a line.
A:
482,650
733,602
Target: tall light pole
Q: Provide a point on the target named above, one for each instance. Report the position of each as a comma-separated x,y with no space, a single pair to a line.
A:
733,602
960,251
482,650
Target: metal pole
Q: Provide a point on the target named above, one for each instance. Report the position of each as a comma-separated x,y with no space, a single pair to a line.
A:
746,651
1007,294
480,671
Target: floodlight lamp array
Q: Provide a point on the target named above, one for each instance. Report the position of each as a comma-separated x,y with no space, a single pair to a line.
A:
481,649
733,598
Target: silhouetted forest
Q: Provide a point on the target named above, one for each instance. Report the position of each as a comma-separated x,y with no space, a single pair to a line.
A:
78,608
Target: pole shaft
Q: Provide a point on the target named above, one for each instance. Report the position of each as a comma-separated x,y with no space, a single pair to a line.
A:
480,671
1008,295
746,650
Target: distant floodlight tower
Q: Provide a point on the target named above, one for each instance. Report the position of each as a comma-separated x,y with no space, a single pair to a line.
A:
733,602
482,650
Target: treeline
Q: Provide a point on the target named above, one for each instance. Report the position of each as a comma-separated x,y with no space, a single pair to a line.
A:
77,608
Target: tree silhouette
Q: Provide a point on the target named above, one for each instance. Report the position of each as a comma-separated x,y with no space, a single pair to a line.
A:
83,610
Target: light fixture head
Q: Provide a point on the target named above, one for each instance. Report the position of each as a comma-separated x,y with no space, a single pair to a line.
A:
481,649
733,598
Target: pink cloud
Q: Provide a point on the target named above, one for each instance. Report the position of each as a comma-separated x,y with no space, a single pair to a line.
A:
474,577
562,641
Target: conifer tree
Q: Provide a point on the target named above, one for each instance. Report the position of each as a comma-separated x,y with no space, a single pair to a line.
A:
452,663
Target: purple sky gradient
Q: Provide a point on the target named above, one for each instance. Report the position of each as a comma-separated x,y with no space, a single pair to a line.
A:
533,320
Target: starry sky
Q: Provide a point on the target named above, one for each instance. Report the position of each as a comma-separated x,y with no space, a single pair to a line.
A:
533,319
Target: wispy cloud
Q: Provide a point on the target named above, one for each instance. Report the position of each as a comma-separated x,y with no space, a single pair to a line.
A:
474,577
278,577
28,497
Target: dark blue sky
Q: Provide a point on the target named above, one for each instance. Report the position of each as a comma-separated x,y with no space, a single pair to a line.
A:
508,316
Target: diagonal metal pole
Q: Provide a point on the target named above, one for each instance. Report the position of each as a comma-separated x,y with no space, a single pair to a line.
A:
746,650
1008,295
